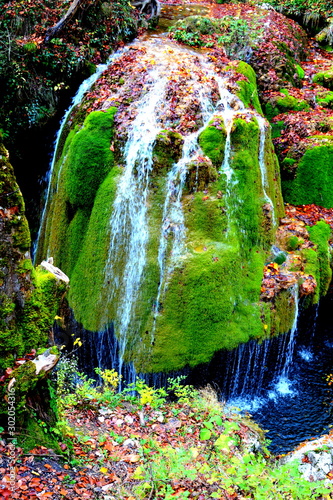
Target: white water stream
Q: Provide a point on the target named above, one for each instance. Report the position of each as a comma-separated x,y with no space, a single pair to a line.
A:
129,224
77,99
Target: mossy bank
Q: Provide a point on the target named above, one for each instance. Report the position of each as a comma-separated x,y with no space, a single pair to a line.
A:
207,299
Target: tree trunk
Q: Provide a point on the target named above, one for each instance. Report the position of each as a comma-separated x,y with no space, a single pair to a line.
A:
71,12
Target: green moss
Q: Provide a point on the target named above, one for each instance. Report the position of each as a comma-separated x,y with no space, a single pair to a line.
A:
167,150
208,306
276,127
300,71
40,309
324,78
37,433
293,243
325,100
89,158
311,267
212,297
284,104
314,177
200,173
33,321
212,141
320,234
83,165
21,235
282,313
248,92
89,307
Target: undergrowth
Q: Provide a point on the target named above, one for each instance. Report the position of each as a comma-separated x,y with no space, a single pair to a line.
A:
183,442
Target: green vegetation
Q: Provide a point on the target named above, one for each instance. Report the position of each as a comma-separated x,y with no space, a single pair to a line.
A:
199,446
34,76
89,158
90,307
325,99
236,35
226,242
167,150
248,92
313,178
284,104
212,141
324,78
310,11
320,234
86,160
34,320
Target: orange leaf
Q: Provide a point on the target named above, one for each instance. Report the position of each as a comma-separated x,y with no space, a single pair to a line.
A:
108,446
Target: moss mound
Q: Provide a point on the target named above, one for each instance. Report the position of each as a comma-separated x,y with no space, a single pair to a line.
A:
313,180
324,78
89,158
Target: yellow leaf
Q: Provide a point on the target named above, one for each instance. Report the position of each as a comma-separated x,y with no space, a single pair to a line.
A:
103,470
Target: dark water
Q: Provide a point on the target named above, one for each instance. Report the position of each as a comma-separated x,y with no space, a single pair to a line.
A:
302,407
293,404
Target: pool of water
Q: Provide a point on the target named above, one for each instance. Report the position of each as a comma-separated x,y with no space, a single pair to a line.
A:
292,407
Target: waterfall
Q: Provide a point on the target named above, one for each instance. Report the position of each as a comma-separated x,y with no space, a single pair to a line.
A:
247,376
77,99
263,170
129,224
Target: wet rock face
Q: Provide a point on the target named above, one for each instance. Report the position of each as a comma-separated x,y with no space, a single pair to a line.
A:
179,213
15,265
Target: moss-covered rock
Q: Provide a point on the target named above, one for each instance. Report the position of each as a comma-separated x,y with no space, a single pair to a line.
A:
248,92
200,173
167,150
320,234
202,295
324,78
212,141
89,158
313,179
325,99
86,160
283,103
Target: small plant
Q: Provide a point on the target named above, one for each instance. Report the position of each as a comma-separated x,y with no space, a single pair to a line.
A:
155,398
110,378
184,393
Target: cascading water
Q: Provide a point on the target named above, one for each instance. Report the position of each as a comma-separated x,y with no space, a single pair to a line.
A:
129,227
129,224
262,126
248,378
129,221
77,99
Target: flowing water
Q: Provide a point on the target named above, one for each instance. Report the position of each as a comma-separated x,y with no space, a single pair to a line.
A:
77,99
129,223
258,377
282,381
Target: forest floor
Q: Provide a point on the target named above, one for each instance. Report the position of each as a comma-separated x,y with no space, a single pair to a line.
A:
129,453
196,449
